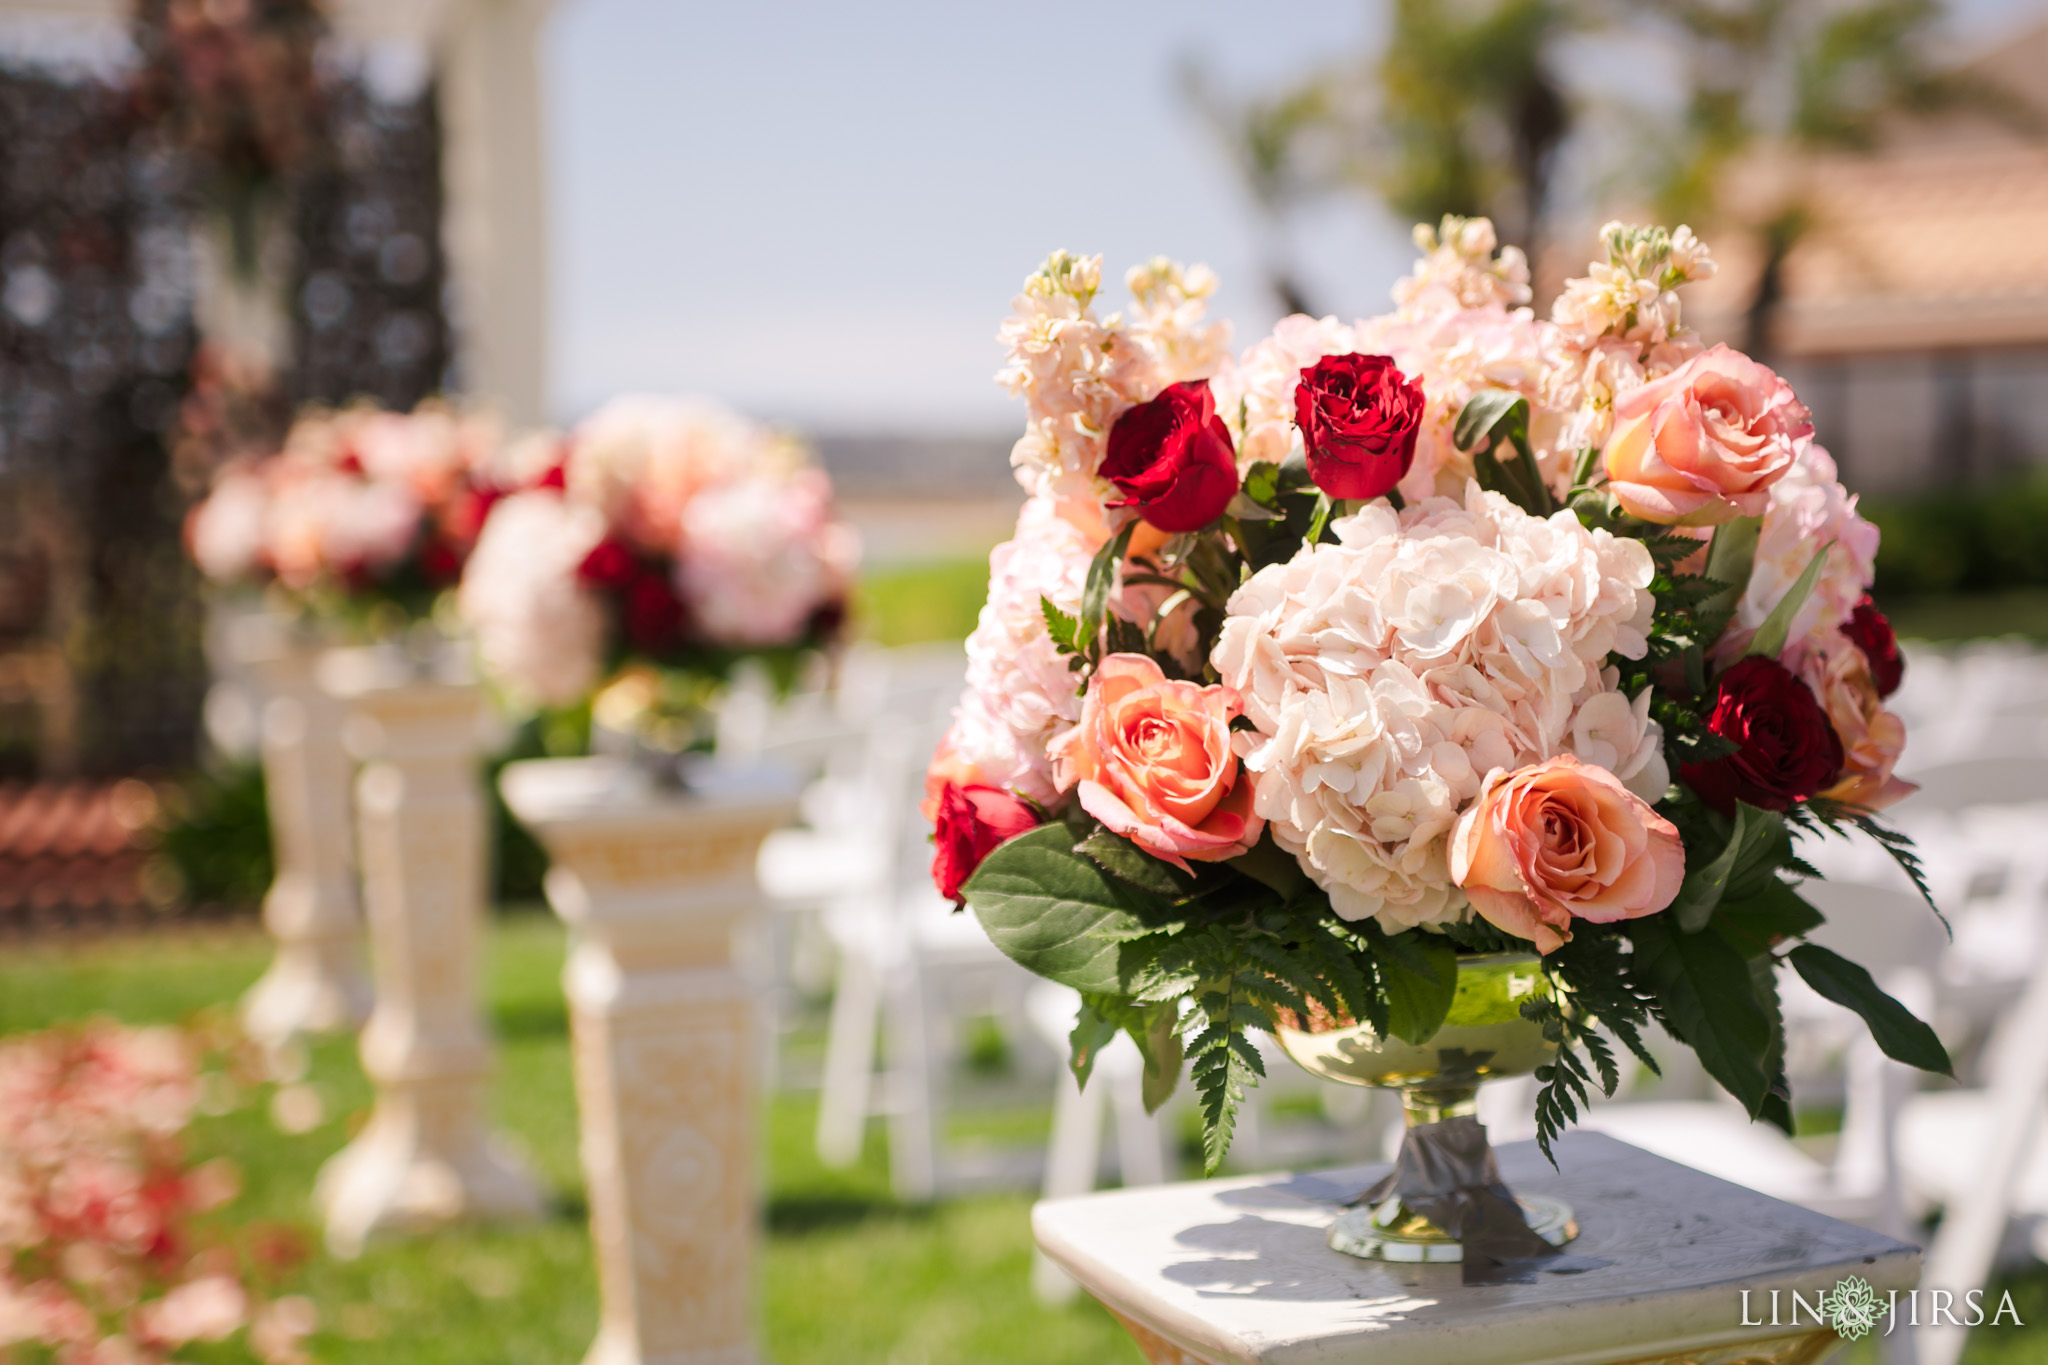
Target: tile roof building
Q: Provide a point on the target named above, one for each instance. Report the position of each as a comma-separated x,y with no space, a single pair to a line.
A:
1914,312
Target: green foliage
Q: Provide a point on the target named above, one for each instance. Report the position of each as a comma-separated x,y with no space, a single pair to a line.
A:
1965,538
1903,1037
1755,844
216,837
1053,910
1495,420
1706,996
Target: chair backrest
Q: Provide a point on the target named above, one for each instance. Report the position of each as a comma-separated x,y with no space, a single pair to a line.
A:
2007,779
1885,929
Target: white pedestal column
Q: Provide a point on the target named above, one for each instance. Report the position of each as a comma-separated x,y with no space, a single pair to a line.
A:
315,983
654,883
426,1157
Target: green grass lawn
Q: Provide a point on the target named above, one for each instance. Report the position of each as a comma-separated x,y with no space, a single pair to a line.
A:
850,1276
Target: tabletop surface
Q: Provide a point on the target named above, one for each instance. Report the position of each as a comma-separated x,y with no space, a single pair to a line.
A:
1238,1270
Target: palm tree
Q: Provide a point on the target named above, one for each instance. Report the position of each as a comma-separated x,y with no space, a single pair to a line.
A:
1462,113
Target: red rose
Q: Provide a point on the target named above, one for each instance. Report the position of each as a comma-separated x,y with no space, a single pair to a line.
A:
440,563
971,822
653,617
1871,633
1172,459
1788,750
609,565
1358,416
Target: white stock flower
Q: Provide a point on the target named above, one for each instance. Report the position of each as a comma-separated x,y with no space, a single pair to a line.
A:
1077,372
1020,694
1459,269
539,631
1384,676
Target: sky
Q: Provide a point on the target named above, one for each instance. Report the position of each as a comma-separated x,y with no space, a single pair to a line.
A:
820,211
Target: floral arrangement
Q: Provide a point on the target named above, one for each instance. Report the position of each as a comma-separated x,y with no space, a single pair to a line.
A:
661,542
1444,632
362,513
100,1257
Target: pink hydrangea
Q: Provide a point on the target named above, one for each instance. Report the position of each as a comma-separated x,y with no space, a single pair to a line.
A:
1386,675
1808,508
758,557
640,458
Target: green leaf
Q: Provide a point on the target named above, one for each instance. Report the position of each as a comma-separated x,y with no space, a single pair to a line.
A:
1731,558
1160,1044
1270,865
1041,903
1903,1037
1771,635
1777,1106
1485,411
1101,578
1247,508
1756,835
1133,866
1755,924
1421,979
1091,1034
1318,519
1064,629
1262,482
1704,989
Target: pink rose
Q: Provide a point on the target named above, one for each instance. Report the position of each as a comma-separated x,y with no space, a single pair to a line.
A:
1563,840
1872,737
1153,762
1704,444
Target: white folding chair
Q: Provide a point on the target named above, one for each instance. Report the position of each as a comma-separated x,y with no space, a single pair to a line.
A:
1893,933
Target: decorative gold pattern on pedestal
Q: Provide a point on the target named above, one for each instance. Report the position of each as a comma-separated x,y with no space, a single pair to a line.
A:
654,883
1804,1348
1155,1348
426,1157
315,983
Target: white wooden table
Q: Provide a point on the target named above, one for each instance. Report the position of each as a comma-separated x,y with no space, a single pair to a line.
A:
1237,1271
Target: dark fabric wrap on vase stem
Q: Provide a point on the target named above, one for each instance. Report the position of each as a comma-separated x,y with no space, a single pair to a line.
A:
1446,1173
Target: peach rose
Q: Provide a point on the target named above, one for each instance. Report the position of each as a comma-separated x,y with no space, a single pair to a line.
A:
1152,761
1704,444
1560,840
1872,737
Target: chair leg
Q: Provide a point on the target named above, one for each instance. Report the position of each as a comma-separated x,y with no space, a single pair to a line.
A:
1967,1242
844,1097
1140,1137
1071,1162
911,1067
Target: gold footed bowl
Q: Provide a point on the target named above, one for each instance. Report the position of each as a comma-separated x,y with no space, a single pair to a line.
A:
1445,1173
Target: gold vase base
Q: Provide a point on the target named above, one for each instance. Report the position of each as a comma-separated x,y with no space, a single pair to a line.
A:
1390,1232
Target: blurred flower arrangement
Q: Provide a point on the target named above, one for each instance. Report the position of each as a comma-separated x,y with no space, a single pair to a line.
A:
102,1255
1446,632
663,541
364,516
